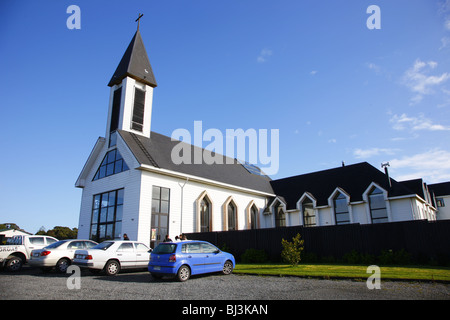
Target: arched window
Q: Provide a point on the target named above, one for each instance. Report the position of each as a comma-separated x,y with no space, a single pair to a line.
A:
309,217
205,215
231,216
341,212
253,217
280,216
378,211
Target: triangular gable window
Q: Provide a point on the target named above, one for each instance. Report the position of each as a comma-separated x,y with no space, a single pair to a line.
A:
112,163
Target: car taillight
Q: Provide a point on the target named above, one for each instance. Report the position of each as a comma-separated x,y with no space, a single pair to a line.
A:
88,257
173,258
45,253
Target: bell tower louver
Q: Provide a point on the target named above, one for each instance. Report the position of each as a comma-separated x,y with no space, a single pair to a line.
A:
132,84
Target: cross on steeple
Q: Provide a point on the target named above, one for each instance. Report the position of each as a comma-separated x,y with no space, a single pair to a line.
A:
139,18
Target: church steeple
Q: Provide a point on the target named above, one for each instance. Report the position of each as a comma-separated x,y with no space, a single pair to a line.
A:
134,64
131,97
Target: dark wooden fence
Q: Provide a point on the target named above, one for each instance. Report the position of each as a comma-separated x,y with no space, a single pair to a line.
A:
423,240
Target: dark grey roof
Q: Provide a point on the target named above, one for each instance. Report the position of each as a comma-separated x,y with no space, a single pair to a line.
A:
353,179
415,185
134,64
440,189
156,152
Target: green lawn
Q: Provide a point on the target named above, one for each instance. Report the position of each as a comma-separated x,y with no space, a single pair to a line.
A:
326,271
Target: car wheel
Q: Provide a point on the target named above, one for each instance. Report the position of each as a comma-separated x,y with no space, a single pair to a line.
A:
184,273
227,267
112,268
62,265
14,264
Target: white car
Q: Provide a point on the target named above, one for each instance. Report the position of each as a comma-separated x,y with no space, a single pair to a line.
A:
58,255
113,256
19,248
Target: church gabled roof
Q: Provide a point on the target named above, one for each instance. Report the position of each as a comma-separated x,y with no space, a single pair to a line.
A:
156,152
353,179
134,64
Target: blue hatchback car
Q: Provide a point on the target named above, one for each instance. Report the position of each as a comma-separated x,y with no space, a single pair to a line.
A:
185,258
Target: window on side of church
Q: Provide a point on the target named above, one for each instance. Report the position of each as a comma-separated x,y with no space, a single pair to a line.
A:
106,219
280,216
137,120
309,217
253,217
378,211
205,212
341,209
112,163
231,216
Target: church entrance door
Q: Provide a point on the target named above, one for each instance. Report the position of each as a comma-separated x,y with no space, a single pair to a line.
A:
160,215
159,228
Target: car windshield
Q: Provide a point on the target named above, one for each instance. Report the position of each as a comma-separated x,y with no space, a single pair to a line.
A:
103,246
56,244
164,248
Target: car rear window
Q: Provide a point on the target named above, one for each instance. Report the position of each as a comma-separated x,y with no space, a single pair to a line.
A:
56,244
103,246
164,248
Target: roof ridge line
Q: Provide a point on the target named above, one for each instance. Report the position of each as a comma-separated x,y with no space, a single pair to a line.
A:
144,150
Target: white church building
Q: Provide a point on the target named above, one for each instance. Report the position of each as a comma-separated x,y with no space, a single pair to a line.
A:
130,185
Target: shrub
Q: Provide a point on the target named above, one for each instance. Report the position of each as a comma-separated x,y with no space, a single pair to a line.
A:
352,257
292,250
401,257
254,256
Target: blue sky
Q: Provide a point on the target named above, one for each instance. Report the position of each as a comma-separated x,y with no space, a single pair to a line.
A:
336,90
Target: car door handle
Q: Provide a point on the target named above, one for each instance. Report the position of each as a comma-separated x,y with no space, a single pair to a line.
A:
119,254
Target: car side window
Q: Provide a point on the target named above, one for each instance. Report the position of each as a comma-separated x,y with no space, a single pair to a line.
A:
192,248
141,247
89,244
126,247
37,240
51,240
76,245
208,248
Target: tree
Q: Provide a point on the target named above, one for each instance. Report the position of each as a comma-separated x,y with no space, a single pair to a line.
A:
60,233
292,250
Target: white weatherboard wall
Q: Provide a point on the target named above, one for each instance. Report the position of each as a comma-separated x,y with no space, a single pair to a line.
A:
191,192
444,212
129,180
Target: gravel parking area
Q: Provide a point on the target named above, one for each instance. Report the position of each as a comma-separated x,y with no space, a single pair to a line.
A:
33,284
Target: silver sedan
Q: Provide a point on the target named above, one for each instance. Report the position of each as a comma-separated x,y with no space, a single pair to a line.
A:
58,255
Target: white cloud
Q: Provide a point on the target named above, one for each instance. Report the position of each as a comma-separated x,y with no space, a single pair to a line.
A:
433,166
371,152
314,72
447,24
444,10
418,80
264,55
445,42
374,67
403,121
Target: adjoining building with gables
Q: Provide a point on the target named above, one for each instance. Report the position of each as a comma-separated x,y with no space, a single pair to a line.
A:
358,193
131,185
